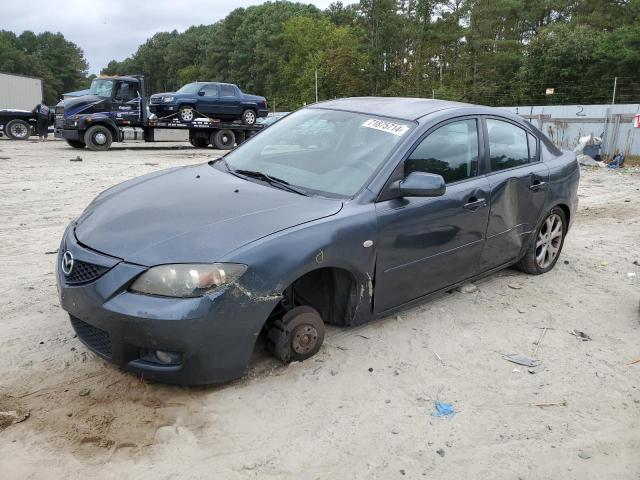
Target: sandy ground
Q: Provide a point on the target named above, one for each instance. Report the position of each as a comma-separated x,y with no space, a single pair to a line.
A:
362,407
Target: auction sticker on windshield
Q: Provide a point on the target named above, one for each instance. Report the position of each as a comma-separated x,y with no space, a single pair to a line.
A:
389,127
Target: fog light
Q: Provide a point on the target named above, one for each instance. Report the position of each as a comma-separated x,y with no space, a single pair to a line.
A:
167,358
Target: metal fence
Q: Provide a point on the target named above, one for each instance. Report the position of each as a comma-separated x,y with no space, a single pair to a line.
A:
565,124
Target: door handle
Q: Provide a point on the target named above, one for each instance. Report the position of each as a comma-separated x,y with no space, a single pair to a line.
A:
537,185
475,203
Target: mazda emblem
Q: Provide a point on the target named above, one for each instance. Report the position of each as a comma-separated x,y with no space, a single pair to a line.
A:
67,263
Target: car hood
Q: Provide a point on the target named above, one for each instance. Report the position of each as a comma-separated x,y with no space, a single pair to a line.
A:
189,215
83,104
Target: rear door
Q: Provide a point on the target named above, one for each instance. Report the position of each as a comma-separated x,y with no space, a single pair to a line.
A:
230,101
208,99
426,244
518,182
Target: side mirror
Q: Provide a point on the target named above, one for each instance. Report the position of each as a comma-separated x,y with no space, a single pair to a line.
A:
201,93
421,184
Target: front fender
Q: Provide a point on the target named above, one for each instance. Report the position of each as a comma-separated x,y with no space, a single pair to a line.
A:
277,260
85,123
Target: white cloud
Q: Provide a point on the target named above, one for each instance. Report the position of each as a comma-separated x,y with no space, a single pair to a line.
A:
113,29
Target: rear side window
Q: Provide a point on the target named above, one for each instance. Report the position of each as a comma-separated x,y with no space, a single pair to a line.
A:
210,90
228,91
450,151
508,145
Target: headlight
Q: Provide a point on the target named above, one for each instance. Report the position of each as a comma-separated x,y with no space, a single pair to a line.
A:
186,280
167,99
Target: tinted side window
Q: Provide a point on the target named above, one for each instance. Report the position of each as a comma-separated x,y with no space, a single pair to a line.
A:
450,151
533,147
126,92
210,90
508,145
228,91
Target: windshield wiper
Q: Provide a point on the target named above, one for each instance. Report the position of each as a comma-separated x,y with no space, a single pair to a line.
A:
275,181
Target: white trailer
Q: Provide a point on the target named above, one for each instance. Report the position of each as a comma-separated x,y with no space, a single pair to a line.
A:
19,92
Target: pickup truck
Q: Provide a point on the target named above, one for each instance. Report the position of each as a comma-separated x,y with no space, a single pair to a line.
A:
223,101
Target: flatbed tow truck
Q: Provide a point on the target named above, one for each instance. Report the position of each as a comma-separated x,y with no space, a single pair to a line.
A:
116,109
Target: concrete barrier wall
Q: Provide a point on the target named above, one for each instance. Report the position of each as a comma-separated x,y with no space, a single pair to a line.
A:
565,124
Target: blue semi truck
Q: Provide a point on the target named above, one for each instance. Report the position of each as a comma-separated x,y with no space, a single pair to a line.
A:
117,108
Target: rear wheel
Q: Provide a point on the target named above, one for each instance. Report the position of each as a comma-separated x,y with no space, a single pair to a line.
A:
298,335
545,249
98,138
18,129
249,117
186,114
223,139
76,143
199,142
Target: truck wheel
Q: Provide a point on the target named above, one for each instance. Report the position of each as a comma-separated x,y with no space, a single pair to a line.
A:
297,336
18,129
223,139
76,143
249,117
186,114
199,142
98,138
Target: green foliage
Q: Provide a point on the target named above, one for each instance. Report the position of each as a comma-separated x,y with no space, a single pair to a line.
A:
59,63
496,52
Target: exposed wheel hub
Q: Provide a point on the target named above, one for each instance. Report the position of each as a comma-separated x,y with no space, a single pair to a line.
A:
304,339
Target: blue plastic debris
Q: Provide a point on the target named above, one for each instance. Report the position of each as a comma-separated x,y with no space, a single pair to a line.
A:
443,410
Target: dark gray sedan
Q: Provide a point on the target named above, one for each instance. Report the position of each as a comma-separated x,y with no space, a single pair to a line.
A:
339,213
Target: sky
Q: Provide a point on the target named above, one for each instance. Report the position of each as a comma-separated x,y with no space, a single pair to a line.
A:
113,29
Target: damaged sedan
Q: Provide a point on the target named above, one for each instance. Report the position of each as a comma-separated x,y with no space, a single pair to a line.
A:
340,213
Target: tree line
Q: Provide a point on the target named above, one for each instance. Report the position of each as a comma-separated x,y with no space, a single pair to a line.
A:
58,62
493,52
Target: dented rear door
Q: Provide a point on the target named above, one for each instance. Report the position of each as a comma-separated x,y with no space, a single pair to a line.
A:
519,188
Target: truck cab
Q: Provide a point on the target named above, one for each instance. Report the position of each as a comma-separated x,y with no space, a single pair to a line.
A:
112,103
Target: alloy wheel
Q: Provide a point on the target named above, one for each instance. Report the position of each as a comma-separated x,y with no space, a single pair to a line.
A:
549,241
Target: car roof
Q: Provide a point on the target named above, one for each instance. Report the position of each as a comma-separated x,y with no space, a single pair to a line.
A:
214,83
404,108
125,78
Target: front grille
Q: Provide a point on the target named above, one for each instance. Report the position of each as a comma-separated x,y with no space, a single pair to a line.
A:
60,110
83,272
94,337
59,121
156,100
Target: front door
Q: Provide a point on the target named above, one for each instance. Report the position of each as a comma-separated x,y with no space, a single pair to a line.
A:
427,244
126,104
518,191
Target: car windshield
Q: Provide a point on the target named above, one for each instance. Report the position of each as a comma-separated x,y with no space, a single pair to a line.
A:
102,88
190,88
327,152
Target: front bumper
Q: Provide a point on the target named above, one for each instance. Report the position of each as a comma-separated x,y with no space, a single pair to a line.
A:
213,335
68,134
163,109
